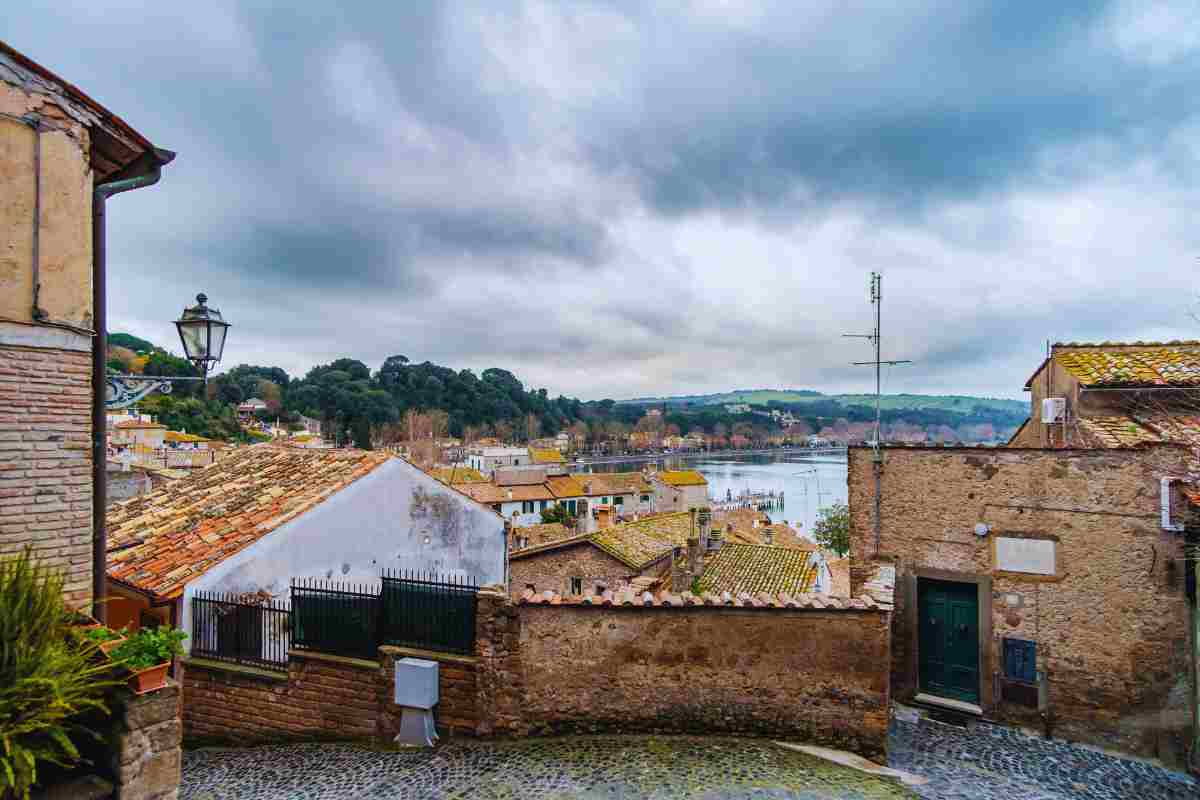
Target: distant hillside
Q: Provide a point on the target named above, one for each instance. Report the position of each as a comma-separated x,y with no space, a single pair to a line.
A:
890,402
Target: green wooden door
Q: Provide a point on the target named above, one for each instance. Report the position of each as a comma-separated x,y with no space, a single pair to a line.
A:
948,649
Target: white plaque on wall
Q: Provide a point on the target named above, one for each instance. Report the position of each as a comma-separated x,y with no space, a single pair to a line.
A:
1035,556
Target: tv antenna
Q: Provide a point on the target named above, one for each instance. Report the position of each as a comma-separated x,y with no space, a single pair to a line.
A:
876,339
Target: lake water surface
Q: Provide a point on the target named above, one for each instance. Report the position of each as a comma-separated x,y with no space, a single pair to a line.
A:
808,482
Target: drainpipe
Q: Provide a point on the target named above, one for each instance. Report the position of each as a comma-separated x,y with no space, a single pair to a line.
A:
145,171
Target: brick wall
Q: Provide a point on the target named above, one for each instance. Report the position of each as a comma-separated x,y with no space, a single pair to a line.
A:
552,570
319,697
1111,629
819,676
45,460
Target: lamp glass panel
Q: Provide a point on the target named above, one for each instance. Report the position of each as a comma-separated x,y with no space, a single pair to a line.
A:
218,340
194,335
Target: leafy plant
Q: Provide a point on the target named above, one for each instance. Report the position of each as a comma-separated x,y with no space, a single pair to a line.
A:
102,634
832,530
558,514
150,647
47,680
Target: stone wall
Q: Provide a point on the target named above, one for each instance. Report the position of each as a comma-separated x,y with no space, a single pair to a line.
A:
145,746
45,461
816,675
553,569
1111,626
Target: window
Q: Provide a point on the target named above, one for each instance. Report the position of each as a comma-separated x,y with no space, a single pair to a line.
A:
526,506
571,507
576,586
542,505
601,588
645,498
604,500
618,501
1020,660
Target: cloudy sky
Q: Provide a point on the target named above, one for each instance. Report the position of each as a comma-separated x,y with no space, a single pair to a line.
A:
615,199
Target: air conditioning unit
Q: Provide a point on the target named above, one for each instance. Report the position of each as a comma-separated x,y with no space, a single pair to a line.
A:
1054,409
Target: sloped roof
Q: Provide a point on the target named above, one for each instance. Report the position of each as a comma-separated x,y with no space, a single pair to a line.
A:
606,483
458,475
160,541
1113,365
565,486
753,568
544,533
541,455
645,541
179,436
683,477
1132,430
137,424
491,493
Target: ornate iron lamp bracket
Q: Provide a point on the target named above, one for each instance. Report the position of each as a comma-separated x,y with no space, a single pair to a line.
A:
125,390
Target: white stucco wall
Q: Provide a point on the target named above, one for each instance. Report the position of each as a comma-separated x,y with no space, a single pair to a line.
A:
396,517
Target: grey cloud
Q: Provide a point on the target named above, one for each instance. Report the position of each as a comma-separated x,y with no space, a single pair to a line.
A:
620,198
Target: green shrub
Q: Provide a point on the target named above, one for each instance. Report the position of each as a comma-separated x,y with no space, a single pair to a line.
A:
149,647
47,677
102,634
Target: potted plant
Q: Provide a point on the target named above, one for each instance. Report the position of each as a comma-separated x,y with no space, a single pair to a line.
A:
104,637
147,654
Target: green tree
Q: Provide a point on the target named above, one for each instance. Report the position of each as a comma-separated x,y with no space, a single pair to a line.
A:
558,513
832,530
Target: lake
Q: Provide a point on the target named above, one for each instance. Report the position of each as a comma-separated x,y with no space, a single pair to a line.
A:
808,481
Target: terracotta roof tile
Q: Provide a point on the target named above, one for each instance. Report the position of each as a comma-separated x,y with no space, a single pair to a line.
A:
765,601
159,541
751,568
541,455
1120,366
1117,431
683,477
641,543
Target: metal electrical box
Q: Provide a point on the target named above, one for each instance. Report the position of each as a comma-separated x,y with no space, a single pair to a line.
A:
416,683
1054,409
416,694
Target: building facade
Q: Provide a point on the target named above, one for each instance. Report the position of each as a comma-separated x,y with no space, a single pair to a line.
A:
1037,587
59,150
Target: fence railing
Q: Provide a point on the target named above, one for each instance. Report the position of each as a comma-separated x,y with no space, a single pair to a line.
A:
410,609
418,610
228,627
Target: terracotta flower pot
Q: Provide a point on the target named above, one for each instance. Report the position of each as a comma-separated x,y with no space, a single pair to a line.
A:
150,679
112,644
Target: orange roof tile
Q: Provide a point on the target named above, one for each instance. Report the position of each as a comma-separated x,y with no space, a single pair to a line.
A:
541,455
682,477
565,486
134,425
160,541
490,493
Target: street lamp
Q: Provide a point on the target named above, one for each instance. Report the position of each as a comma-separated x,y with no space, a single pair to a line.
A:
202,332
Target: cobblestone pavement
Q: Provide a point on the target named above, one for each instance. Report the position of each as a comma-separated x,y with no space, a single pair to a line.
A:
582,768
993,762
984,763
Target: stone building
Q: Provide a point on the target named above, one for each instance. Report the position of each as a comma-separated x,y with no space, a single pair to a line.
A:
1019,571
61,155
632,553
1114,395
679,490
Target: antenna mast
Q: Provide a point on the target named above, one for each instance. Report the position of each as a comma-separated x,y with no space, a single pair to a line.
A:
876,338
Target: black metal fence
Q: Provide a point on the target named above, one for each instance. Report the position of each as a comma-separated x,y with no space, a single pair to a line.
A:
418,610
410,609
229,627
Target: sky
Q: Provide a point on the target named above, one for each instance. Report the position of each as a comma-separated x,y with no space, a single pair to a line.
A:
619,199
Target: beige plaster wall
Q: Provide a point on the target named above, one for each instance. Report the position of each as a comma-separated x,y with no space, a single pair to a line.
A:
66,213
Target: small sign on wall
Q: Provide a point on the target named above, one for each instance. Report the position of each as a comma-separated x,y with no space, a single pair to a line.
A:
1030,556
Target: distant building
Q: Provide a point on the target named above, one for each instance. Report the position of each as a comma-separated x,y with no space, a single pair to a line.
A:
138,435
487,459
738,408
247,409
679,490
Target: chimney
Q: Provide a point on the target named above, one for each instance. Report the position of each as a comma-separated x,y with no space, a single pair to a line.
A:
768,536
681,580
753,524
587,487
695,557
509,494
